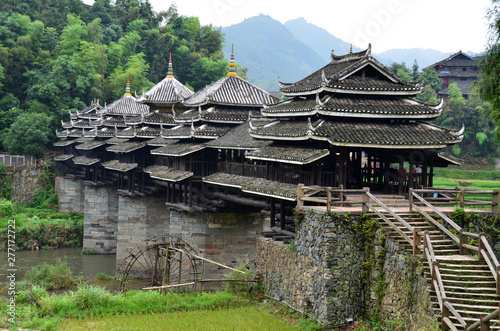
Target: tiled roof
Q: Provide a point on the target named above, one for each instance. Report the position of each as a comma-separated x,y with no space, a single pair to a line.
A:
105,132
287,154
160,141
126,105
64,142
210,131
62,134
336,76
362,133
166,92
117,121
63,157
354,106
75,133
231,90
191,115
91,112
85,161
89,145
126,147
458,59
178,149
152,118
127,133
119,166
221,114
84,139
167,174
253,185
148,132
115,140
179,132
238,138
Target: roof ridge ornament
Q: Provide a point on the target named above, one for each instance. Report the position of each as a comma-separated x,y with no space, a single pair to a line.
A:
232,65
252,127
351,56
170,72
127,88
461,132
173,111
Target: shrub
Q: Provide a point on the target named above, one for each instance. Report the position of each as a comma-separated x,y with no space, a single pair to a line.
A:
51,277
6,208
89,296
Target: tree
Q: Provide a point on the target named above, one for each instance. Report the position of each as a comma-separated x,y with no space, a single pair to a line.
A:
29,135
415,75
428,96
431,78
490,78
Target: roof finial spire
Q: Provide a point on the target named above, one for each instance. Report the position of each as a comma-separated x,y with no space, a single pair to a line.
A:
232,65
127,89
350,51
170,72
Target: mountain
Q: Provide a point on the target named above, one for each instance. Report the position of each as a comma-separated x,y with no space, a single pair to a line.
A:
297,48
318,39
270,50
322,42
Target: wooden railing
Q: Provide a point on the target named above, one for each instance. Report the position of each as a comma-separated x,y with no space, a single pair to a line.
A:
483,249
460,197
331,196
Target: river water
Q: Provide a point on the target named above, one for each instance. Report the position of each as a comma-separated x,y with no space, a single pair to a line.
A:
84,265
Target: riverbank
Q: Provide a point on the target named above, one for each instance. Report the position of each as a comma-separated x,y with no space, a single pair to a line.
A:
33,229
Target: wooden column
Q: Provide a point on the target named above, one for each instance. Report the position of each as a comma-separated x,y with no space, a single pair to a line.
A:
273,213
424,176
431,176
168,192
410,174
190,192
282,215
401,178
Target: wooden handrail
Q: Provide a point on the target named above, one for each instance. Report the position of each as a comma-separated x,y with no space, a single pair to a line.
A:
487,318
437,224
455,313
434,209
460,197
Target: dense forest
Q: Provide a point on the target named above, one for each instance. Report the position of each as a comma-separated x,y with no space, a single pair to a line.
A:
59,55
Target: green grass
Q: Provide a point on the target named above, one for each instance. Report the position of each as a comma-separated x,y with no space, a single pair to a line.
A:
51,276
252,317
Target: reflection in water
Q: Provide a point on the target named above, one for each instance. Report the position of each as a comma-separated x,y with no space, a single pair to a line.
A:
87,266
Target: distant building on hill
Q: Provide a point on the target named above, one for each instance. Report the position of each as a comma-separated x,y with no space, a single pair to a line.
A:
458,68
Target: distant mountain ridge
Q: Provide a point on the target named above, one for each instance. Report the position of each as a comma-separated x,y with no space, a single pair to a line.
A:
295,49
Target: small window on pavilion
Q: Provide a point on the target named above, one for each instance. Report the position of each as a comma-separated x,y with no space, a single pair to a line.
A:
463,79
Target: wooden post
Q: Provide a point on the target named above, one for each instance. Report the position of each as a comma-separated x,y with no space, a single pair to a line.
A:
411,175
445,313
328,198
417,241
190,192
282,215
431,176
401,178
273,213
462,198
410,198
300,194
484,325
166,270
366,199
495,201
498,280
180,271
481,247
463,241
435,265
201,275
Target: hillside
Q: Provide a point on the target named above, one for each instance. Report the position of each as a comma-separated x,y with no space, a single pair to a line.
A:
318,39
269,50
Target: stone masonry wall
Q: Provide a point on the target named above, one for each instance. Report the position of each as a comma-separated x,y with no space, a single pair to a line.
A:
405,298
332,271
320,273
100,219
140,219
70,193
25,184
226,238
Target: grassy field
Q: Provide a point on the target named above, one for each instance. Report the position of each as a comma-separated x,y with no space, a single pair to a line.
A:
253,317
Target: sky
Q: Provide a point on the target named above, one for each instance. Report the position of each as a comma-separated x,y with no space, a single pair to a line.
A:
445,25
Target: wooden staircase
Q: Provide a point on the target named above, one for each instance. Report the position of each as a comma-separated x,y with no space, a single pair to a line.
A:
468,284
